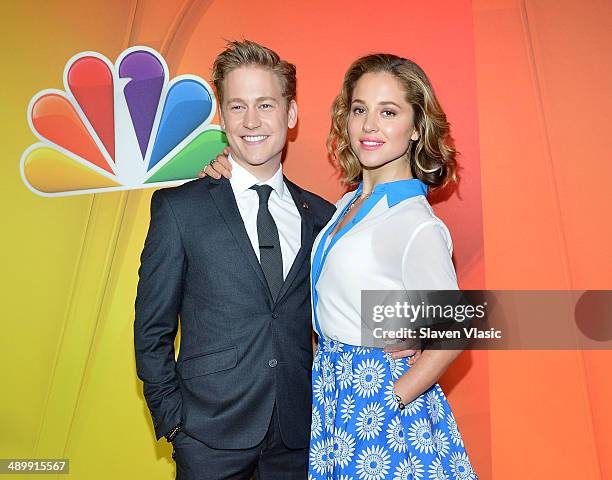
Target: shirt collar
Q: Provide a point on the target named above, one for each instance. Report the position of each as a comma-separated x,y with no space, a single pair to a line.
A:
242,179
398,190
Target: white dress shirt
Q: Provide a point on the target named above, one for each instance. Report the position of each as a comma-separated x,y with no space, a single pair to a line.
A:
400,244
281,206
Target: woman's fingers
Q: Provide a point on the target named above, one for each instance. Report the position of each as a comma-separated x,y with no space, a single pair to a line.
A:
217,168
222,166
412,360
210,171
402,353
223,162
412,355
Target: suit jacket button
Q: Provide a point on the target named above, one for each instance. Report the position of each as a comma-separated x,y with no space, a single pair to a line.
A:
273,363
275,315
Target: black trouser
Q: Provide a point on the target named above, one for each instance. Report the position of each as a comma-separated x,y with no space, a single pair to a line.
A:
269,460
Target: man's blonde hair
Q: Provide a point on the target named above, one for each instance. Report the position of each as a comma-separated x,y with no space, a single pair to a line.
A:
251,54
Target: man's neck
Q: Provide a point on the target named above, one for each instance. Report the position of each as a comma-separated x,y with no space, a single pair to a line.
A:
264,171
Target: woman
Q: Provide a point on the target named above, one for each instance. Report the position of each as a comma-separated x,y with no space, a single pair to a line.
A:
375,417
389,131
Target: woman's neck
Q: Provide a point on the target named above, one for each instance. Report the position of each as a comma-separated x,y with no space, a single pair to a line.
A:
389,172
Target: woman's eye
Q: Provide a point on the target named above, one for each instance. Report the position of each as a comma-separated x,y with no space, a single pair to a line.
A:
388,113
358,110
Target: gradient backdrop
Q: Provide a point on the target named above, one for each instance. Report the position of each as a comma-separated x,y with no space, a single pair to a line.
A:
525,85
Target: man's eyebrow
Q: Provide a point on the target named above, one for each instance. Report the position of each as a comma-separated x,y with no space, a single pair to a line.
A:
387,102
258,99
267,99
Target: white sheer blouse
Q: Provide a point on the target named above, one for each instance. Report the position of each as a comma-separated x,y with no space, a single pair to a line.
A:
395,242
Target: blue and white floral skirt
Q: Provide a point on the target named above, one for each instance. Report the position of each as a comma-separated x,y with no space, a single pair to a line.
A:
359,433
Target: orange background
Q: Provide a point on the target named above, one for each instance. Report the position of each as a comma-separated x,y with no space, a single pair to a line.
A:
525,85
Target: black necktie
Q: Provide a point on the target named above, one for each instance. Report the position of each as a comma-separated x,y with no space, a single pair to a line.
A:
270,256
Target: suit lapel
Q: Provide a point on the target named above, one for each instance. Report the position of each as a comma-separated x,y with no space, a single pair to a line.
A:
306,236
223,196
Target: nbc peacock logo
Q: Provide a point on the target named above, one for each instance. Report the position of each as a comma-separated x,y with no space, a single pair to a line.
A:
119,127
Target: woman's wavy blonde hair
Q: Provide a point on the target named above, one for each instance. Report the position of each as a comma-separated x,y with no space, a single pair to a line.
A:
431,157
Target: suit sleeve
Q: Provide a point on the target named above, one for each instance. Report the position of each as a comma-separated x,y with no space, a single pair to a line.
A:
157,307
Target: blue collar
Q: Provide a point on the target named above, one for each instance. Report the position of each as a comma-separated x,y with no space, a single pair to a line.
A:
398,190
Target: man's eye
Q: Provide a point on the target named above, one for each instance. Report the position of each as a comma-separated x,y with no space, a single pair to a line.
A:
235,108
265,106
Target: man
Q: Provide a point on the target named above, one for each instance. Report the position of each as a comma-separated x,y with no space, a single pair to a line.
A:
231,258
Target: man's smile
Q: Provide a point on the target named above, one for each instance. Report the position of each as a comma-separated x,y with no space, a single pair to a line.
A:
254,139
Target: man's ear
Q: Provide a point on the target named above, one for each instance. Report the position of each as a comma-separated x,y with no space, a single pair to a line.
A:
292,113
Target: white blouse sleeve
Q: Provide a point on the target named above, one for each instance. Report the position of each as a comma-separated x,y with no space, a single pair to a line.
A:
427,262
